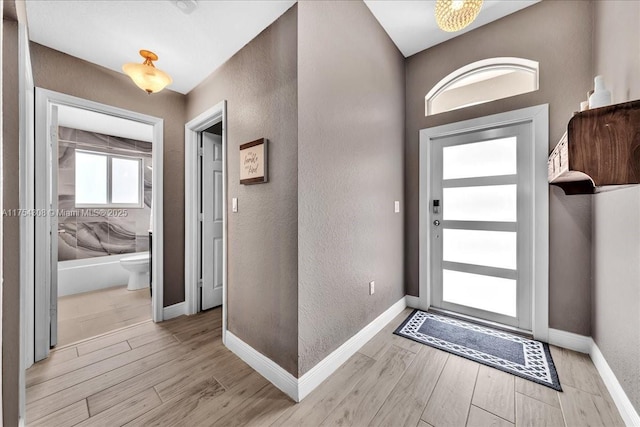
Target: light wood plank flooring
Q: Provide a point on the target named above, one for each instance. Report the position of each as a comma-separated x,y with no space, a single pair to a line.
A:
88,314
178,373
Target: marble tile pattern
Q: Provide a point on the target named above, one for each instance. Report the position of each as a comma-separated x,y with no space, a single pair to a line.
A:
94,236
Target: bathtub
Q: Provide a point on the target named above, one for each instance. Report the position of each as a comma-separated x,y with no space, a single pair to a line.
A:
90,274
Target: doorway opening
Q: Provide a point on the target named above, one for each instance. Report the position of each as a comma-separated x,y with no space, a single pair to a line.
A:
484,219
104,194
98,197
205,212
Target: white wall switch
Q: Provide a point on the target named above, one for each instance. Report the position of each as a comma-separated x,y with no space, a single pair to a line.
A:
372,288
234,205
396,206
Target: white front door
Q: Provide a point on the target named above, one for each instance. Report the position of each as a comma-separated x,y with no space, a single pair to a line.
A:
211,238
480,224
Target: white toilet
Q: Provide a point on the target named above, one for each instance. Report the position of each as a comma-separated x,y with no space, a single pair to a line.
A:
138,267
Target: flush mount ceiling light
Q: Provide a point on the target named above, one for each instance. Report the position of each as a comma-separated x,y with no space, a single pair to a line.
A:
454,15
146,76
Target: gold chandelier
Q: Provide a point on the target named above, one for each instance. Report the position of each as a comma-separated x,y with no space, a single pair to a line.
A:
454,15
146,76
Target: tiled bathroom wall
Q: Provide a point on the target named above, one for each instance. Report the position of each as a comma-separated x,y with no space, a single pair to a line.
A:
82,236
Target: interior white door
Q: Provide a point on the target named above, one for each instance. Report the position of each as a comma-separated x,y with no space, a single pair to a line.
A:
46,227
481,226
211,191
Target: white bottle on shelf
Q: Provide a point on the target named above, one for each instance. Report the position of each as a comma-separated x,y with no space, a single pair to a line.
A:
600,96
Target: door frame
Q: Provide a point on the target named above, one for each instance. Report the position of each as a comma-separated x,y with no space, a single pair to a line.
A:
26,201
215,114
44,100
538,116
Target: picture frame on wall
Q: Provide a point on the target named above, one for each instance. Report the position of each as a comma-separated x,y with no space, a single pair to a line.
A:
253,162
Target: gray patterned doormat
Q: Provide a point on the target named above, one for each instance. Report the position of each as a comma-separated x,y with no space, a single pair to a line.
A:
514,354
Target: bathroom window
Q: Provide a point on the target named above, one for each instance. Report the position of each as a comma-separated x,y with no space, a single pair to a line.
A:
482,81
104,180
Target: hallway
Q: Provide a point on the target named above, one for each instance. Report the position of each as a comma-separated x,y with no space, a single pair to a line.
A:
179,373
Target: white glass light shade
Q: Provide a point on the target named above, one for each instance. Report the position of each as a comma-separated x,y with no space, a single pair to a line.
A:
146,76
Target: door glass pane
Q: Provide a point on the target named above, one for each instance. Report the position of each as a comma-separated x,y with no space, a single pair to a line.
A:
125,181
490,248
484,203
488,293
91,179
487,158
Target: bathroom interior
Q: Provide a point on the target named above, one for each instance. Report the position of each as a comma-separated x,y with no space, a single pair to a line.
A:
104,223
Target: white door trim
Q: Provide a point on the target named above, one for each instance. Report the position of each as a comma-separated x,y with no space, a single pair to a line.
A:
202,122
44,99
538,116
27,224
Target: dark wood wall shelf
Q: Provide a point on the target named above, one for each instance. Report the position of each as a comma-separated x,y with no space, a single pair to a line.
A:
601,148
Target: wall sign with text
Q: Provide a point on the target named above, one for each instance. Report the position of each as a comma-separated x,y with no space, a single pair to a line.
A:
253,162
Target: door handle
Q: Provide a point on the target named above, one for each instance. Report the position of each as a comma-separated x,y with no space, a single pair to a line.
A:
436,206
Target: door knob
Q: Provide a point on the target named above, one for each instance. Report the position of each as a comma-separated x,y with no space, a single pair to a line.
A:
436,223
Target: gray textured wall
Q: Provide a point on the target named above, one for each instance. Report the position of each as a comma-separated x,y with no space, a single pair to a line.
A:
558,35
10,236
350,163
570,262
616,214
616,47
616,290
66,74
260,86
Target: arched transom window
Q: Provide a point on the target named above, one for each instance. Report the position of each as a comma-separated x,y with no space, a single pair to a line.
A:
481,82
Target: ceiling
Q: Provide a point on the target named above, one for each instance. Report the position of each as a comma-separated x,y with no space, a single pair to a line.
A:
412,24
91,121
191,46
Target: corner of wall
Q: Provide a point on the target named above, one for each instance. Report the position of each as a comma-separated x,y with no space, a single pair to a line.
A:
262,266
350,172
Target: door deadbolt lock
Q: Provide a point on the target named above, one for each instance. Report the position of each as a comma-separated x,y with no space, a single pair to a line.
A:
436,223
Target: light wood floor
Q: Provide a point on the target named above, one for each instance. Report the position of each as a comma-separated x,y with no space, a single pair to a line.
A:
88,314
178,373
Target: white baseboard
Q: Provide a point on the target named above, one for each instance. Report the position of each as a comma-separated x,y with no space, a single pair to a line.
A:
575,342
585,344
413,302
327,366
620,398
299,388
174,310
264,366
